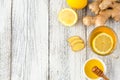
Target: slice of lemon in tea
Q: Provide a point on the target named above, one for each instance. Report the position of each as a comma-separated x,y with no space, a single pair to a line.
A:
68,17
102,43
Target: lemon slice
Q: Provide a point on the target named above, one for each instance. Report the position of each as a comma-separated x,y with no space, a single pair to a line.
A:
78,47
68,17
73,38
102,43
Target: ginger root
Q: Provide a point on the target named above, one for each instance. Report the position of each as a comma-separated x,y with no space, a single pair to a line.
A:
98,20
105,4
116,12
104,9
94,7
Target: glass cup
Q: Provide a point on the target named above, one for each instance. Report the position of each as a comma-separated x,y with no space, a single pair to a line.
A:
103,29
89,64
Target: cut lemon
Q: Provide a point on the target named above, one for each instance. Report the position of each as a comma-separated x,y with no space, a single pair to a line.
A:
68,17
102,43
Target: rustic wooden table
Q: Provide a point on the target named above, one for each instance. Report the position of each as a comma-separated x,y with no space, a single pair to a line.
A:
33,43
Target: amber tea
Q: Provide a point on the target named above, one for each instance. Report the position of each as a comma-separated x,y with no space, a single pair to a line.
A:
103,40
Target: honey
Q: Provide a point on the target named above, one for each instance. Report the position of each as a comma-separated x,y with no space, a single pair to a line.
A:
89,66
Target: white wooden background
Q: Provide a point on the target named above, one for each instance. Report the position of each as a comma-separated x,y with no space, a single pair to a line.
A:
33,43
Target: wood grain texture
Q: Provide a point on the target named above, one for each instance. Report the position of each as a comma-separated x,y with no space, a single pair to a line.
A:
114,64
30,40
64,63
32,34
5,39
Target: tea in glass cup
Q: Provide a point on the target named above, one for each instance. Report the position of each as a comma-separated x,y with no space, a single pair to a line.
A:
103,40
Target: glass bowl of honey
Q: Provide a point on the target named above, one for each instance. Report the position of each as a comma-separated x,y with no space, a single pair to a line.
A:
89,64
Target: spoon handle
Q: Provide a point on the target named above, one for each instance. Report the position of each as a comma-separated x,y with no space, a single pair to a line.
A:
105,77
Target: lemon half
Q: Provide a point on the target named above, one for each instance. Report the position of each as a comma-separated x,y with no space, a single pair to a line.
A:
68,17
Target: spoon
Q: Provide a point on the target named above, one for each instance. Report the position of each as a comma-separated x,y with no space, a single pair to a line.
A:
99,73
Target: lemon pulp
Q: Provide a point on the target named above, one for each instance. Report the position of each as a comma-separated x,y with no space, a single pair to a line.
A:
68,17
102,43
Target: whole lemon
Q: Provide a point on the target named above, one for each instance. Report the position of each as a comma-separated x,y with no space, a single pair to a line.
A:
77,4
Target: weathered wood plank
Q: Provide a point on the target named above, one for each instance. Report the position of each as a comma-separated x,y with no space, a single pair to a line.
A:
5,39
30,40
114,63
64,63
